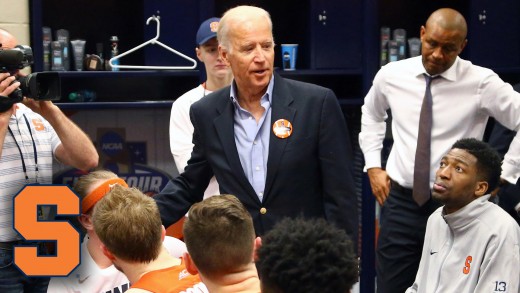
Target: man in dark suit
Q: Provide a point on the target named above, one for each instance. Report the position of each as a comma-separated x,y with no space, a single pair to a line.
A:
280,146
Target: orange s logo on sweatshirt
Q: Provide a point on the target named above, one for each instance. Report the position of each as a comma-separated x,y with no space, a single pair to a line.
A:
467,265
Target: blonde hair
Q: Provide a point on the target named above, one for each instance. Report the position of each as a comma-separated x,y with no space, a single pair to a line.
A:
129,224
85,182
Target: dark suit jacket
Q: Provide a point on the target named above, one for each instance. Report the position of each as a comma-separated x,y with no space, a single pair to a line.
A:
308,174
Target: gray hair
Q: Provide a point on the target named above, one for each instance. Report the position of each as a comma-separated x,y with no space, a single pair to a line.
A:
236,15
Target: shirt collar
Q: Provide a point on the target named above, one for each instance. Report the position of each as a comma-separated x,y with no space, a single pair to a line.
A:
468,213
450,74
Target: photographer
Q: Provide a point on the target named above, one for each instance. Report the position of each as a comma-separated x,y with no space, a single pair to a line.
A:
31,134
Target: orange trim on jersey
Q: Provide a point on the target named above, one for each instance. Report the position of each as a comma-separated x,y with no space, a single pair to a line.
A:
92,198
169,280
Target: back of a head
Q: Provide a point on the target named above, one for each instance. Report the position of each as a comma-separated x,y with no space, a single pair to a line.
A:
129,224
300,255
86,182
488,160
219,235
237,16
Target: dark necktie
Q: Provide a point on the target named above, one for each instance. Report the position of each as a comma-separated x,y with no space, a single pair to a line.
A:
421,173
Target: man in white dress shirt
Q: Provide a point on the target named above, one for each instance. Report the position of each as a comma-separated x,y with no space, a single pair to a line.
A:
464,96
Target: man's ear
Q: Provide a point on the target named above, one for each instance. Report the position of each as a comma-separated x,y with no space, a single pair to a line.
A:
86,221
481,188
223,54
189,264
256,246
106,252
198,52
163,233
423,31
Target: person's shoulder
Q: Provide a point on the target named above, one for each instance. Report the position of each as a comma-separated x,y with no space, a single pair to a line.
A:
465,66
412,64
436,215
496,218
189,95
30,114
175,247
137,290
23,109
213,99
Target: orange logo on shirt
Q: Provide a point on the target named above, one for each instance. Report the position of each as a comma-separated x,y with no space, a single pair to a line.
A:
467,265
38,124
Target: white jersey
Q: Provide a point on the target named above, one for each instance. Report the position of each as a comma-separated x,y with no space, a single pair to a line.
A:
181,133
475,249
88,277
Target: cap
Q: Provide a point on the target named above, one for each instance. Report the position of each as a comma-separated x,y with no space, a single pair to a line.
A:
207,30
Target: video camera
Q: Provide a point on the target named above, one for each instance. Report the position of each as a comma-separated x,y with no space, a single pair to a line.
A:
37,86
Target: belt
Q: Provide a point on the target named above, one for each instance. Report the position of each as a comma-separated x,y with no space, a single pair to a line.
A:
10,244
400,188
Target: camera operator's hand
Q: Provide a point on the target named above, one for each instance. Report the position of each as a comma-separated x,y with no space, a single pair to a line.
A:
7,84
76,148
4,116
44,108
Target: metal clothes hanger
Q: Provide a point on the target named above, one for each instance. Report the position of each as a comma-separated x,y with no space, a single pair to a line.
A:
153,42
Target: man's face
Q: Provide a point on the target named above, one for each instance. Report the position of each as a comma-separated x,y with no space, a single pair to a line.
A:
208,54
440,47
251,56
456,181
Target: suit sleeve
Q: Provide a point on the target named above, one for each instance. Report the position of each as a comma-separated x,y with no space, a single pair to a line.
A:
179,194
335,156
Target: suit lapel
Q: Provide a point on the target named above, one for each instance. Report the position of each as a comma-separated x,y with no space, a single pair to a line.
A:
224,126
280,109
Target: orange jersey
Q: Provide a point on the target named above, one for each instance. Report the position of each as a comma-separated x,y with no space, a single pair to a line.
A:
174,279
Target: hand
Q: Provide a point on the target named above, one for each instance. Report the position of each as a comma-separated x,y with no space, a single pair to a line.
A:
7,84
43,108
6,115
380,183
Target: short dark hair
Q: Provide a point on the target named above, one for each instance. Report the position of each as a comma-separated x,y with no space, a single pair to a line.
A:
488,160
306,255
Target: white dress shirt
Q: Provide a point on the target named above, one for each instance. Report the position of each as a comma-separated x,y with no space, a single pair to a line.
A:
464,97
